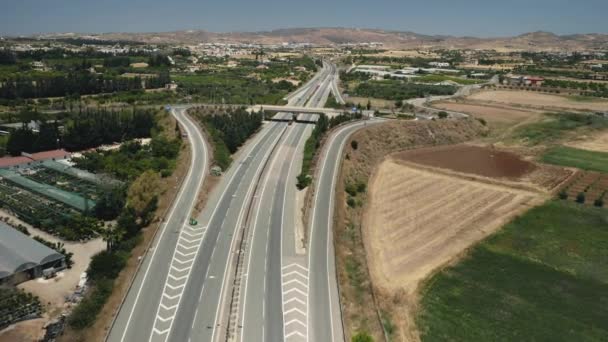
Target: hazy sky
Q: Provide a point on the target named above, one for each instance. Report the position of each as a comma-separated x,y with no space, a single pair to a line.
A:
454,17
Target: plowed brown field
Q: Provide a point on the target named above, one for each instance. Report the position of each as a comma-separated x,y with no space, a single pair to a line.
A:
418,221
477,160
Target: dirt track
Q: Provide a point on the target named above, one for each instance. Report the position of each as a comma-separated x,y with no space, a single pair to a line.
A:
418,221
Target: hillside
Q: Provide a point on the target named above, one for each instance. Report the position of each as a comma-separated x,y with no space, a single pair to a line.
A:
396,39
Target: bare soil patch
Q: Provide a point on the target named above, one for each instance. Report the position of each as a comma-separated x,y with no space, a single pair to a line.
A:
477,160
596,142
30,330
376,103
538,100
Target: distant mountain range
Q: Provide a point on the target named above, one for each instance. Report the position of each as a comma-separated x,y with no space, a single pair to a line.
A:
395,39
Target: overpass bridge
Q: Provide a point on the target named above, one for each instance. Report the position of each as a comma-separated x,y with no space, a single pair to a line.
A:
330,112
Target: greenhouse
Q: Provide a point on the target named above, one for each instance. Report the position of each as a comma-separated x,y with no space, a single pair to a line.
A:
23,258
71,199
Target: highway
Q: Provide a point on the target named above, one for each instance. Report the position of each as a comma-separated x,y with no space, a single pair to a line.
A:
274,287
238,274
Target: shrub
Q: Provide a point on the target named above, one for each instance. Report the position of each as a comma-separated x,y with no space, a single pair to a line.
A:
599,202
106,264
361,187
351,202
580,198
362,337
86,312
563,195
442,115
303,181
351,189
354,144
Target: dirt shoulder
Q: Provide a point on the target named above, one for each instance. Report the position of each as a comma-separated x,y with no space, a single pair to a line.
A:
365,309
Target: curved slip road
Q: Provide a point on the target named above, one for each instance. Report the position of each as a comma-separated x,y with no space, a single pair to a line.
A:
325,318
133,322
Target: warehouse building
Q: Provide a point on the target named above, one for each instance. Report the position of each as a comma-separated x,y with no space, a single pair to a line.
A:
23,258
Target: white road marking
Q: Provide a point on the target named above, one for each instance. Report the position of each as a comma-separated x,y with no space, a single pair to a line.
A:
181,120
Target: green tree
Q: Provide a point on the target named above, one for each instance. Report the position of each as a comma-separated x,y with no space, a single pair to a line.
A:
580,198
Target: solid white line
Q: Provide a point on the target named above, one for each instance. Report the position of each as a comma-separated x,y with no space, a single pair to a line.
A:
329,230
248,194
211,217
253,234
174,206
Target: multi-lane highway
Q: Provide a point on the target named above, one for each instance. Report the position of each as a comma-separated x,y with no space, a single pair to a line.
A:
184,286
273,290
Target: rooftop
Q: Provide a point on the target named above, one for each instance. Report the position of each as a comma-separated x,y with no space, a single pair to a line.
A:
18,252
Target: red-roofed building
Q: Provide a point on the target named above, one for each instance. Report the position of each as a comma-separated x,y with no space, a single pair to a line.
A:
54,154
7,162
25,158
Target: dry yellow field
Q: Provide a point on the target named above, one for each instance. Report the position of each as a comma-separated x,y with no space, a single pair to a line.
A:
418,221
595,142
538,100
491,113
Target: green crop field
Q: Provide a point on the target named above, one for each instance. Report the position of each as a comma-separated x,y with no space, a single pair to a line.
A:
542,278
583,159
555,126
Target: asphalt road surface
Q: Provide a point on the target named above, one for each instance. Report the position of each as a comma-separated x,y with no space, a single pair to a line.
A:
184,287
136,317
274,284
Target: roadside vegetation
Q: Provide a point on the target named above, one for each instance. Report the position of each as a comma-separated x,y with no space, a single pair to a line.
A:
80,130
314,142
528,282
228,129
142,169
437,78
399,90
